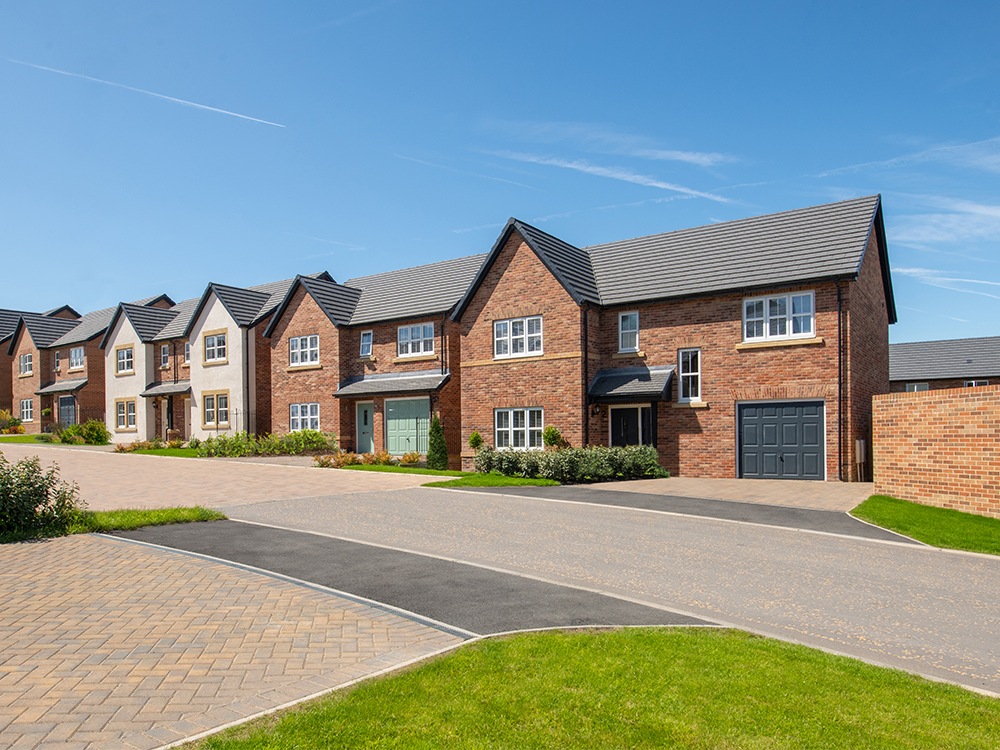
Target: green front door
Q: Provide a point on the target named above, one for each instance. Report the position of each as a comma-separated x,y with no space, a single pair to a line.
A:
406,424
366,428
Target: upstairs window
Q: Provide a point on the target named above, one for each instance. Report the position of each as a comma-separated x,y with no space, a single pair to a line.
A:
125,360
55,361
76,358
517,337
24,364
366,343
628,332
303,350
785,316
164,355
915,387
215,347
975,383
415,340
187,352
690,375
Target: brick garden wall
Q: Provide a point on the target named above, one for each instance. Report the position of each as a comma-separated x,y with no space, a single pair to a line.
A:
940,448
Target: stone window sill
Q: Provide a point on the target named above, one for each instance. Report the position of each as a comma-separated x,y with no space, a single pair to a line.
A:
629,355
297,368
782,342
690,405
420,358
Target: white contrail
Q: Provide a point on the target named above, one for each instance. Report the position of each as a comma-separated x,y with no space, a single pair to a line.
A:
148,93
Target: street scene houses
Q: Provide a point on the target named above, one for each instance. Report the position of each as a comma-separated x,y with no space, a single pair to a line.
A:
748,348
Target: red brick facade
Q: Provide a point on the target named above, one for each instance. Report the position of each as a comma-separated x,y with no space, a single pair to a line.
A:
692,439
940,448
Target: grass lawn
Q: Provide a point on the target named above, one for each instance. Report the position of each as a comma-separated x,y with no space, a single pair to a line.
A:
408,470
493,480
124,520
19,439
648,688
940,527
180,452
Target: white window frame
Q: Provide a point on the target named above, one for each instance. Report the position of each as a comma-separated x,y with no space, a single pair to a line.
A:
917,387
215,345
27,410
303,420
187,352
55,361
303,350
623,332
518,421
76,354
25,364
405,343
528,342
367,346
125,415
125,360
164,355
976,383
216,404
770,321
689,376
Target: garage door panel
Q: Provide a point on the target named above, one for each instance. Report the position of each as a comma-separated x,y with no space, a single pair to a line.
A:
406,425
790,444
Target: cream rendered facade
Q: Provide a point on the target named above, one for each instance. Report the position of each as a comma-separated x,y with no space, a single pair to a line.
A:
232,377
124,387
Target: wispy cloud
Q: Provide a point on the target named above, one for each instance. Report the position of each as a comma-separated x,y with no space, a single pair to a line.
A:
978,155
945,280
603,139
476,229
462,171
347,245
950,220
147,93
615,173
938,315
360,13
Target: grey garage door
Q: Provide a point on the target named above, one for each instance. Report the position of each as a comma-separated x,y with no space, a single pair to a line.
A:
782,440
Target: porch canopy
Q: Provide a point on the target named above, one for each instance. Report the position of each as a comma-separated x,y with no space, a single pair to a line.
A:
62,386
158,390
393,384
629,384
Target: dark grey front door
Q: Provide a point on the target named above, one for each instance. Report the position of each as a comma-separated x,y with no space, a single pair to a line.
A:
67,410
781,440
631,425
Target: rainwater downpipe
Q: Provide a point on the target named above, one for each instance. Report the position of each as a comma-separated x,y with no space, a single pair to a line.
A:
584,368
840,386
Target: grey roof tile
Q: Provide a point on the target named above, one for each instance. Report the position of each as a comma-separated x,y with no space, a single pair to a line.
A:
44,330
631,384
413,292
804,245
572,263
336,300
167,389
94,324
242,304
62,386
8,321
422,381
945,360
147,321
276,291
174,329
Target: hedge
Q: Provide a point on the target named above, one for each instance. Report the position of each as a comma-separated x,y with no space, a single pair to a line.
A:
592,464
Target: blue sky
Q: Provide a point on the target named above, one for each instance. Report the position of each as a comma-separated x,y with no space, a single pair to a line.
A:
151,148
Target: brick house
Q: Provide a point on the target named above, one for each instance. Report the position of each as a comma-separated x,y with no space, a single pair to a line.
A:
8,322
230,361
938,365
146,371
58,366
749,348
372,359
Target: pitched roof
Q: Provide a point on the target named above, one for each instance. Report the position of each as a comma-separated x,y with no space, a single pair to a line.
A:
8,321
415,292
792,247
56,310
947,359
807,245
147,321
174,329
42,329
62,386
335,300
389,384
167,389
630,384
93,324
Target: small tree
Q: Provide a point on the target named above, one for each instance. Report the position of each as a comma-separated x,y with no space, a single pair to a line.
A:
475,441
437,449
552,437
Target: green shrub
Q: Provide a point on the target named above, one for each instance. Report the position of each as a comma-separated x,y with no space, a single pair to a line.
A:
552,437
412,457
5,417
46,437
194,443
592,464
243,444
437,449
475,441
35,502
